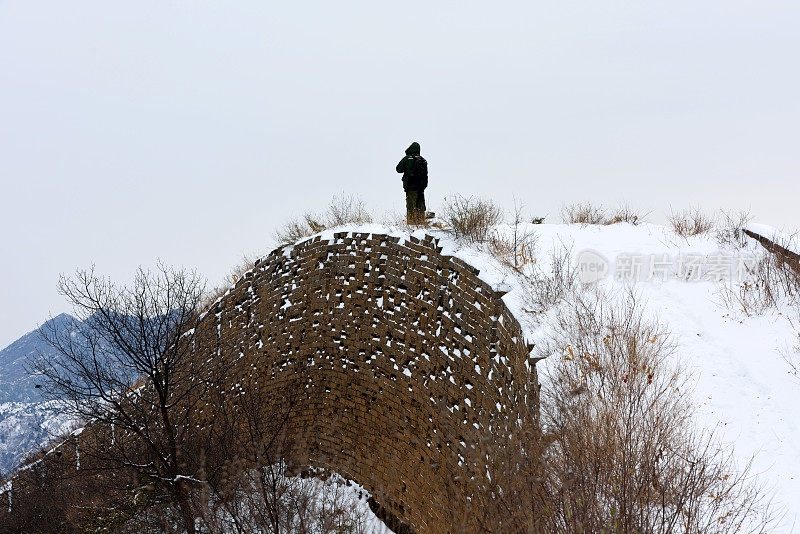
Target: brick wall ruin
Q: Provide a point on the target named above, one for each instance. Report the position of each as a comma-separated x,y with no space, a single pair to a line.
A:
411,360
790,257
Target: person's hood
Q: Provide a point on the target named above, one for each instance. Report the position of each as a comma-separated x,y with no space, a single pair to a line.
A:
413,150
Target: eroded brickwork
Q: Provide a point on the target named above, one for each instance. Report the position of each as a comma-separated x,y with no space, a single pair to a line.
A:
410,357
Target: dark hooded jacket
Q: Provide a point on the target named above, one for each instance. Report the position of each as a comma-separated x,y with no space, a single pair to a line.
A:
407,166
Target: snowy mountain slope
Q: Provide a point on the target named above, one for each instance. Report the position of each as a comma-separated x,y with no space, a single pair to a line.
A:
26,420
16,384
26,426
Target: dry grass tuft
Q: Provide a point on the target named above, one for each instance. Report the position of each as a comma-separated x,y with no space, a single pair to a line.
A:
236,273
516,248
470,219
626,214
342,210
690,222
772,280
583,213
549,285
730,231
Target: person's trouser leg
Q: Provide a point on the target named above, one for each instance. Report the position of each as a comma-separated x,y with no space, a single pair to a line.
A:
420,207
411,207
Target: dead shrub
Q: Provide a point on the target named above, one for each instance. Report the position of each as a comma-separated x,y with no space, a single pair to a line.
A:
626,214
583,213
345,210
342,210
516,248
294,230
731,228
547,285
469,219
756,293
622,453
792,354
239,270
616,451
270,499
773,282
690,222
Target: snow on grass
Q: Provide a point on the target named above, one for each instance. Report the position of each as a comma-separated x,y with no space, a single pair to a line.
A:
302,503
348,496
743,387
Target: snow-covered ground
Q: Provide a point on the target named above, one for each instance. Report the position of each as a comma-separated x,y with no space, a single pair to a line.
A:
743,386
326,504
26,426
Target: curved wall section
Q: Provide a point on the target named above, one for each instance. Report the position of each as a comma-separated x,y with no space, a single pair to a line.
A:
409,360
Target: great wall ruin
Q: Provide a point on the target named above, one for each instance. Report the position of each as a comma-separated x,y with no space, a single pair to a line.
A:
402,363
411,360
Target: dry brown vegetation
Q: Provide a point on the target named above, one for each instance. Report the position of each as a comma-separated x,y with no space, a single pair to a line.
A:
768,282
690,222
626,214
517,248
589,213
470,219
617,451
730,230
342,210
546,286
583,213
234,275
623,455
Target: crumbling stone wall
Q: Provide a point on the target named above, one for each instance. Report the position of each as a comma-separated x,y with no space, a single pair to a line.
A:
790,257
411,361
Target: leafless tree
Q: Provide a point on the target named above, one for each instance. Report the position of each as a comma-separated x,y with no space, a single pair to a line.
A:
127,369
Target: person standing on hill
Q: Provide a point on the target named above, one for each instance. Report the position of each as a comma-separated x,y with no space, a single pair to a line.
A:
415,180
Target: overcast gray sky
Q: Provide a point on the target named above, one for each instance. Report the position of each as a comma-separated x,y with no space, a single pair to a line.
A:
188,130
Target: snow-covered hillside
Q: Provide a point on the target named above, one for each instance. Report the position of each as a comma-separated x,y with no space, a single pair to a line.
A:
26,426
16,383
27,421
744,388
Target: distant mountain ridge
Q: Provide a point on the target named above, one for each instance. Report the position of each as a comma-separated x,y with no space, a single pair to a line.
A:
27,419
16,384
